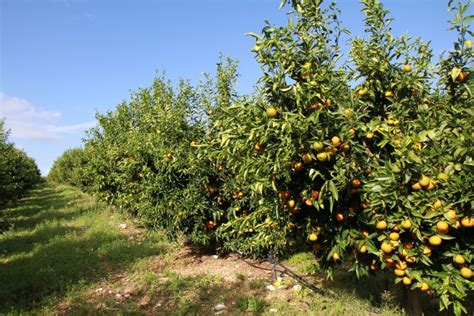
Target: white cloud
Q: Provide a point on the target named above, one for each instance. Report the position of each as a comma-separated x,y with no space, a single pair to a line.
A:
26,121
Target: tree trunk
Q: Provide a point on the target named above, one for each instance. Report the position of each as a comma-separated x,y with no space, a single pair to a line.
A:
413,302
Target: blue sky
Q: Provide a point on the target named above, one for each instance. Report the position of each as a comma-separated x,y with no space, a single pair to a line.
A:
62,60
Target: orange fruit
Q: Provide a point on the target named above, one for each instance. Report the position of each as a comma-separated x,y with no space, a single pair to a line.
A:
318,146
258,147
416,186
407,68
424,287
394,236
410,259
339,217
307,158
386,247
291,203
345,147
388,94
362,249
313,237
438,204
443,177
355,184
451,214
398,272
336,141
369,135
401,265
298,166
466,273
462,76
424,181
406,280
323,156
459,259
427,251
435,240
364,233
308,202
335,256
442,227
432,185
406,224
362,92
272,112
381,225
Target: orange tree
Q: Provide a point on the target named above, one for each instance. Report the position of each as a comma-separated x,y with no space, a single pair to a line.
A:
418,199
289,162
18,172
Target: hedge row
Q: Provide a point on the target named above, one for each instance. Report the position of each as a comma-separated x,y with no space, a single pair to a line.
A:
18,172
365,160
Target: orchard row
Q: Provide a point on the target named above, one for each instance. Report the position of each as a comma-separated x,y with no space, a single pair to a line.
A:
364,159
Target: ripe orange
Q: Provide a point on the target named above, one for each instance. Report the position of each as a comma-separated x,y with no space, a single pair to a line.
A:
258,147
298,166
424,287
451,214
438,204
291,203
362,92
427,251
462,76
364,233
406,280
308,202
401,265
381,225
406,224
339,217
318,146
394,236
432,185
272,112
466,273
410,259
398,272
362,249
313,237
467,221
459,259
443,177
416,186
435,240
388,94
345,147
355,184
336,141
424,181
442,227
369,135
307,158
323,156
386,247
407,68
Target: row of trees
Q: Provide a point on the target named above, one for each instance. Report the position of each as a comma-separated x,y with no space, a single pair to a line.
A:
18,172
365,160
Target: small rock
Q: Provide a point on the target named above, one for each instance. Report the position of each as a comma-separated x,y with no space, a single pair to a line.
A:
219,307
123,226
99,290
145,301
297,287
273,310
215,256
118,296
271,288
126,295
128,290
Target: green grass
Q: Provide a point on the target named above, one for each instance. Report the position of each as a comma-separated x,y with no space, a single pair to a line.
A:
62,247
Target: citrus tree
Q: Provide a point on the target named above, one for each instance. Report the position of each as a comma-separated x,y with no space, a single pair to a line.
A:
18,172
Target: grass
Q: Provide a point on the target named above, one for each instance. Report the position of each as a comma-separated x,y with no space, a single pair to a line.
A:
65,253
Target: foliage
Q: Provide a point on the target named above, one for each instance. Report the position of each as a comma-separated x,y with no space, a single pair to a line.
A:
69,168
18,172
366,161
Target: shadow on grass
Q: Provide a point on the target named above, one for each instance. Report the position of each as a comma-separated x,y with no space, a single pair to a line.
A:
49,252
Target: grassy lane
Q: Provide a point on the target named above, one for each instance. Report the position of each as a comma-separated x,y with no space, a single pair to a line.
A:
60,241
65,254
